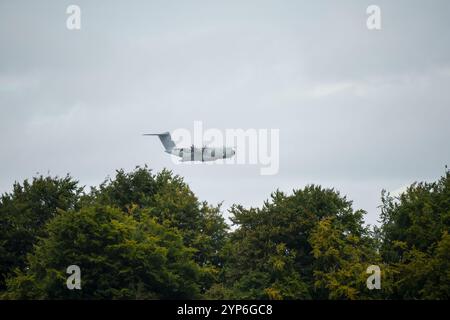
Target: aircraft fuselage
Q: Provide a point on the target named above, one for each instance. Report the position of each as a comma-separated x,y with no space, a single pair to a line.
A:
202,154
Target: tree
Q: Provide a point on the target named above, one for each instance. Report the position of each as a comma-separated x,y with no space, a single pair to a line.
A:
146,236
25,211
168,199
270,254
341,262
119,257
415,240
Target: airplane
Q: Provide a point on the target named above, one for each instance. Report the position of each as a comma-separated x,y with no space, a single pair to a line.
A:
193,154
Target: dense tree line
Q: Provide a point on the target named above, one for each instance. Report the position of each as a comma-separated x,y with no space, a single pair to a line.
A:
141,235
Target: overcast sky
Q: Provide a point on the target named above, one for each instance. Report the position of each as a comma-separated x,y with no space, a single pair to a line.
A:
357,110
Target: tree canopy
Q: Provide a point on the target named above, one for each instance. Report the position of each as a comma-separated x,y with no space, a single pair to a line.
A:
145,235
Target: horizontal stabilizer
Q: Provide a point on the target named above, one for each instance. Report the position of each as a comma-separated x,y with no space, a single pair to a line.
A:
165,138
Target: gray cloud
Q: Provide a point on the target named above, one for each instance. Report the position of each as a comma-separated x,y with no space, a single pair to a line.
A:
358,110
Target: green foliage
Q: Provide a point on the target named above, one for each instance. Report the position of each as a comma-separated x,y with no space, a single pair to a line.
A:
168,199
270,254
416,218
25,211
141,235
120,258
341,261
415,240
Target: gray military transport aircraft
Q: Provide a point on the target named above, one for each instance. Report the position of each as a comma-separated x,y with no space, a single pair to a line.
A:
193,154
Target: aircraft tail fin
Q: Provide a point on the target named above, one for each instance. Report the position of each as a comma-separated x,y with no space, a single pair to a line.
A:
165,138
